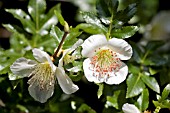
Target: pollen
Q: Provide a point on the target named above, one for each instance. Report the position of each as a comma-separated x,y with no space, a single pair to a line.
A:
104,63
43,76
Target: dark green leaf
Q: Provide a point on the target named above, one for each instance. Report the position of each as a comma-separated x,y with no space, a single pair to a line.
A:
35,9
151,83
102,8
134,85
155,60
153,45
137,52
126,14
124,32
165,92
143,100
90,28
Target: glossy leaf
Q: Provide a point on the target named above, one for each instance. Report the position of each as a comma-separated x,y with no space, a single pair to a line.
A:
56,34
24,19
90,28
151,83
165,92
143,100
124,32
134,85
126,14
92,19
35,9
102,8
113,100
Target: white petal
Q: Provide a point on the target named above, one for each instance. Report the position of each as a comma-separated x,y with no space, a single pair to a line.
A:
42,57
23,67
121,47
92,43
89,73
118,77
39,94
65,82
130,108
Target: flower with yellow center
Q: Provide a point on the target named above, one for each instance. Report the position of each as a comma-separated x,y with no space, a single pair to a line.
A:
104,59
42,74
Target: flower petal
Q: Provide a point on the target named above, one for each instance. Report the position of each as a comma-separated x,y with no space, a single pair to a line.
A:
23,67
65,82
120,46
92,43
118,77
42,57
40,94
130,108
89,73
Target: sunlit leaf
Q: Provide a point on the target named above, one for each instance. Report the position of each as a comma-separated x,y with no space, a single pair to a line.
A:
165,92
85,108
134,85
124,32
143,100
100,90
90,28
56,34
59,15
151,83
25,19
35,9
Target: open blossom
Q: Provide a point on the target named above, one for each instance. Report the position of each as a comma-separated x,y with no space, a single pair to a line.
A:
130,108
104,59
42,74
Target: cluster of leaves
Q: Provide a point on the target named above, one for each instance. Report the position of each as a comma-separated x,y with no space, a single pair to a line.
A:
148,68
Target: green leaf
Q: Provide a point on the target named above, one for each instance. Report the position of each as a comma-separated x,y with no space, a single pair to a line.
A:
126,14
84,108
90,28
25,19
133,69
35,9
134,85
163,104
165,92
22,108
71,39
100,90
59,15
124,32
137,52
102,8
91,18
143,100
155,60
153,45
151,83
113,100
56,34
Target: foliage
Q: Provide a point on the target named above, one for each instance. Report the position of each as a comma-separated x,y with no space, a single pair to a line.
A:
147,83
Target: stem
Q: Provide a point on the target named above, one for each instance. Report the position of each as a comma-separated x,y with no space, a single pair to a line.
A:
110,27
60,44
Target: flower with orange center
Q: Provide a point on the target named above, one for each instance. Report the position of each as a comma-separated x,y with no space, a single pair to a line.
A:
104,59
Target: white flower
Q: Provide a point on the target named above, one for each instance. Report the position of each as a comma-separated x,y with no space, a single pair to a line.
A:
130,108
42,74
104,59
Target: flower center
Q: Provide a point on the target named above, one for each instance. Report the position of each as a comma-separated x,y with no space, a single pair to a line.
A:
43,76
104,63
